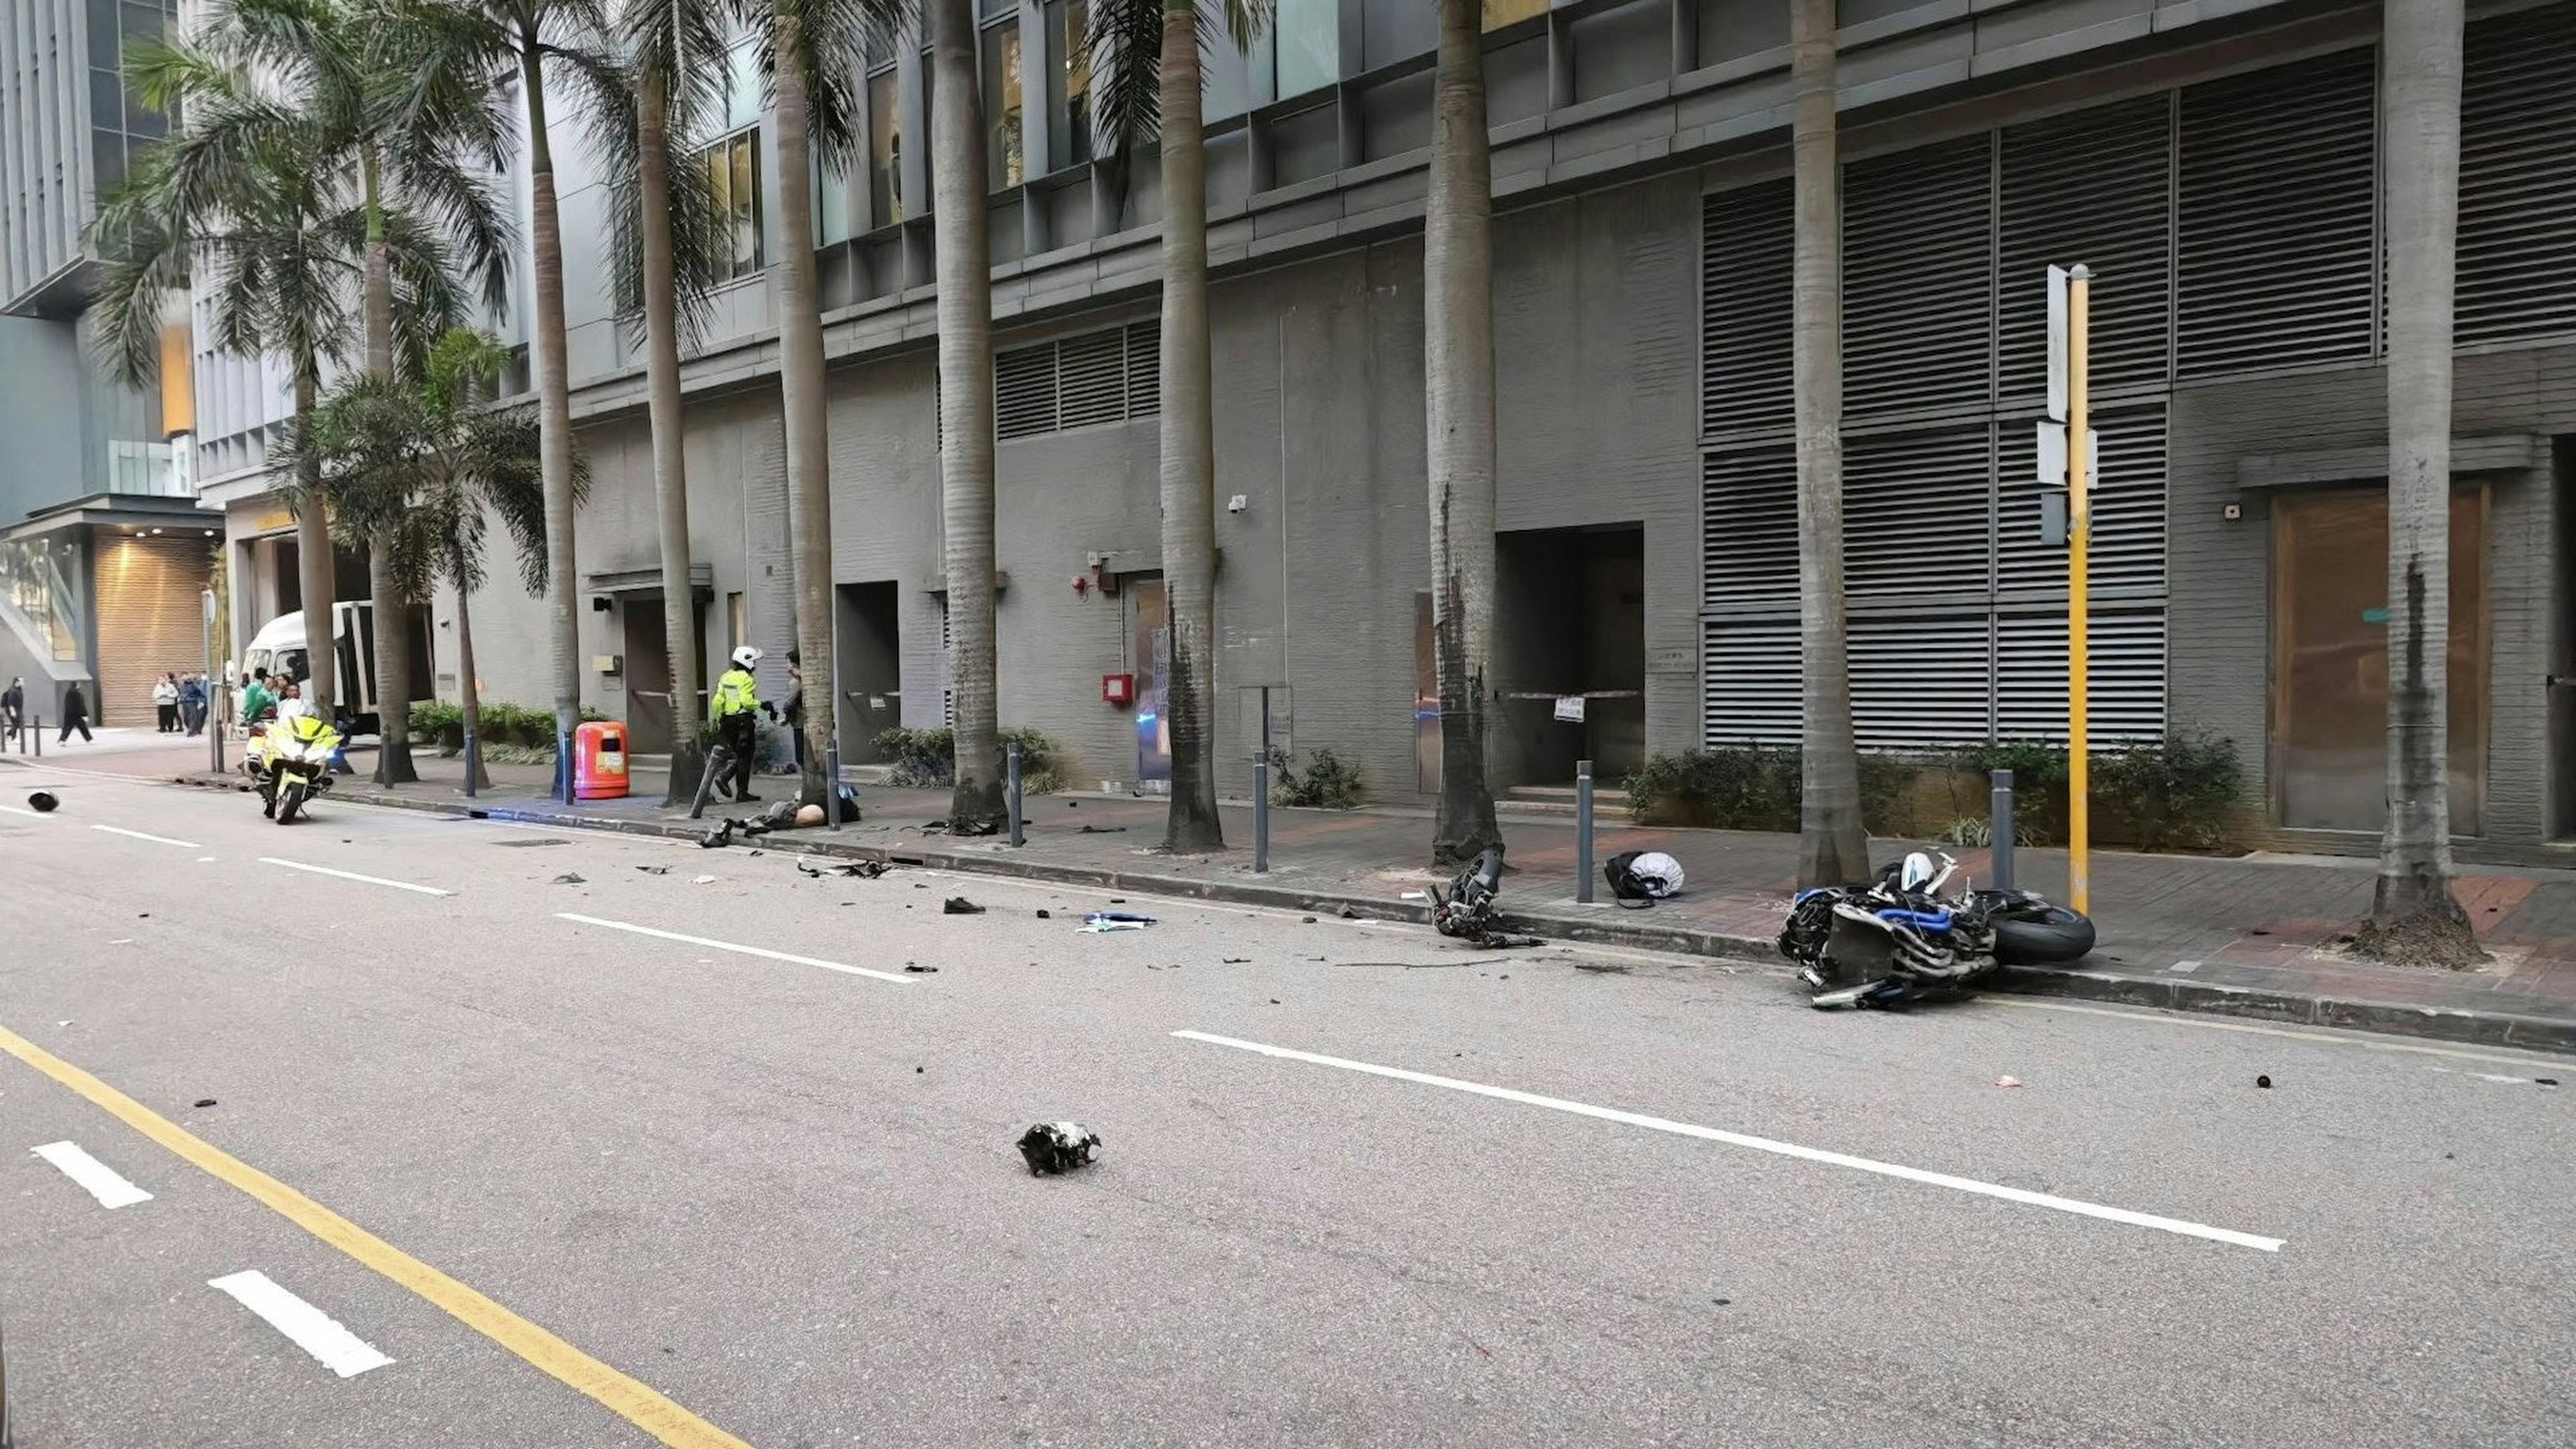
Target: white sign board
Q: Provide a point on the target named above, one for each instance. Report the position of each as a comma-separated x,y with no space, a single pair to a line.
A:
1569,708
2052,456
2057,343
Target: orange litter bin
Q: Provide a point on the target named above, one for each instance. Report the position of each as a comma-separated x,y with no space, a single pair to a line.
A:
599,760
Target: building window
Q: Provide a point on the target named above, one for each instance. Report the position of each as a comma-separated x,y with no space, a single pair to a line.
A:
1003,159
835,218
1309,45
1069,84
1499,13
733,175
885,150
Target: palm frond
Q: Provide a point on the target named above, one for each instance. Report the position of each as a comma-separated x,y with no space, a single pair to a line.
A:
1126,41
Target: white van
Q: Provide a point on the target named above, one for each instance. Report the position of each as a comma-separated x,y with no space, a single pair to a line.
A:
280,647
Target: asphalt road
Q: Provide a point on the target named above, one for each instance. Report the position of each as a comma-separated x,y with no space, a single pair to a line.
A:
1482,1200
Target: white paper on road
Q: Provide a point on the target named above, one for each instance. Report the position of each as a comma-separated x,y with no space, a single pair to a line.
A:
1762,1144
100,1180
311,1329
400,885
155,839
714,945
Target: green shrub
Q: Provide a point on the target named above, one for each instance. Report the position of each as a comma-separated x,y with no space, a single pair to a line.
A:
1325,784
439,723
2177,791
927,759
505,726
1736,787
2039,785
1887,790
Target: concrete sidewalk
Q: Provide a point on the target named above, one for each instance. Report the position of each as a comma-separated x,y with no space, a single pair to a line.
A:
2254,936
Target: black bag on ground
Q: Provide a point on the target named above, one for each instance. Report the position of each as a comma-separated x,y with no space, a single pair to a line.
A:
1626,886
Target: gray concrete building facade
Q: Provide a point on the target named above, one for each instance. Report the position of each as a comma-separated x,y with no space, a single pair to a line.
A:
2216,164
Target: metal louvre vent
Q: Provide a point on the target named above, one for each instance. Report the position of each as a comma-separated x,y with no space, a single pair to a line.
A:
1144,369
1024,391
2128,554
1749,528
2518,177
1745,309
1918,513
2095,187
1918,279
1751,673
1922,681
2125,676
1091,379
2276,216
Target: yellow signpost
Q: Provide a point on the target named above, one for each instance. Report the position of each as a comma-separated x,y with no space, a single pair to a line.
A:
2079,541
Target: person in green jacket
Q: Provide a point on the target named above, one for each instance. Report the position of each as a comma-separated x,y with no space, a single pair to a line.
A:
736,711
256,699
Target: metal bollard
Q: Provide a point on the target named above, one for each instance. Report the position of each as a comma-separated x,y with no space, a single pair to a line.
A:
1017,815
2002,821
563,764
1261,817
832,784
40,737
1583,832
473,758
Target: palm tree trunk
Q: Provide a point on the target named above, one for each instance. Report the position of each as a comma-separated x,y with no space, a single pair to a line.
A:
469,694
670,461
2413,915
965,270
801,396
1189,446
314,564
1458,355
392,611
1832,849
554,414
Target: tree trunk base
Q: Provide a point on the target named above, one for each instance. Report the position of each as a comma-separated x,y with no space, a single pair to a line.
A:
977,807
688,767
2434,937
394,766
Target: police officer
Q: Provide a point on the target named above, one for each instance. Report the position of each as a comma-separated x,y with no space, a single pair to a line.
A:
736,709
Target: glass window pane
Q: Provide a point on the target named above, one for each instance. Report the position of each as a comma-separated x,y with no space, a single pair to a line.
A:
834,218
106,100
107,158
1069,84
885,152
102,34
1309,36
742,101
746,202
1499,13
1003,162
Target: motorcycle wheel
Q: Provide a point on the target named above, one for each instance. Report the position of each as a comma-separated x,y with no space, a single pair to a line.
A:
289,800
2029,933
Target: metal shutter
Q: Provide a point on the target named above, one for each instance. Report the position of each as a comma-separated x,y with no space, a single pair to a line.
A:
2128,555
2097,188
1024,391
1745,309
2126,676
2518,177
1751,675
1918,513
1918,279
1749,528
1922,681
149,622
2277,216
1144,369
1091,379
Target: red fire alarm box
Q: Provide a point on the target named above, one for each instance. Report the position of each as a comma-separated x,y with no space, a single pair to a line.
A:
1118,689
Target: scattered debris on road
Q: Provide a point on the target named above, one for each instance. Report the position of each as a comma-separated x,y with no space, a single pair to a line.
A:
704,880
862,869
1054,1147
1347,914
1099,921
1237,961
569,878
42,803
654,869
2264,1082
2007,1081
920,971
1603,968
205,1101
1045,915
1102,830
960,906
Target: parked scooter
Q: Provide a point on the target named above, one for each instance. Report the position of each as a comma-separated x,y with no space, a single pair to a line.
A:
291,763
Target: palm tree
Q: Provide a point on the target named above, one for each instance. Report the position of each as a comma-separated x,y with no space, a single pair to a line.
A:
2413,915
418,469
1458,365
1150,85
811,54
1832,849
378,105
668,237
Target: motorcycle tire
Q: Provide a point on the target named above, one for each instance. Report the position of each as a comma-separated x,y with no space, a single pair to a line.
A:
289,800
2034,934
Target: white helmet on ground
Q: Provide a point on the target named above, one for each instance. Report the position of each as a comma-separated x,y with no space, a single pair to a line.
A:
746,657
1661,874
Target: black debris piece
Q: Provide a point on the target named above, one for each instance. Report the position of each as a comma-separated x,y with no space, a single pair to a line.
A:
1604,967
654,869
1310,920
1045,915
960,906
862,869
718,838
1102,830
1238,961
916,1071
2546,1081
1053,1147
205,1101
2264,1082
920,970
935,827
568,878
42,802
1117,900
1347,914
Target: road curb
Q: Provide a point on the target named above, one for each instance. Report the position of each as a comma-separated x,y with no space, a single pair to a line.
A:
2482,1028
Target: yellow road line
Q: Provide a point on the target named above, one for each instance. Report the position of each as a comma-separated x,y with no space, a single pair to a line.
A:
628,1399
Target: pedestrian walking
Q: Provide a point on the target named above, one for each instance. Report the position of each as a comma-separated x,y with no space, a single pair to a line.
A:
165,702
736,711
13,707
192,705
75,716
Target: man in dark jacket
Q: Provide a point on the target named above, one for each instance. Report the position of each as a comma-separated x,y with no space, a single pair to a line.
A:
75,715
13,708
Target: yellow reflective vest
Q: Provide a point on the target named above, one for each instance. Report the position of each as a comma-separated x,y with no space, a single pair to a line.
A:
736,693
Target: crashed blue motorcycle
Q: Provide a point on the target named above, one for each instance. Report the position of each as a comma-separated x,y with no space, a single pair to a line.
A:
1901,938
